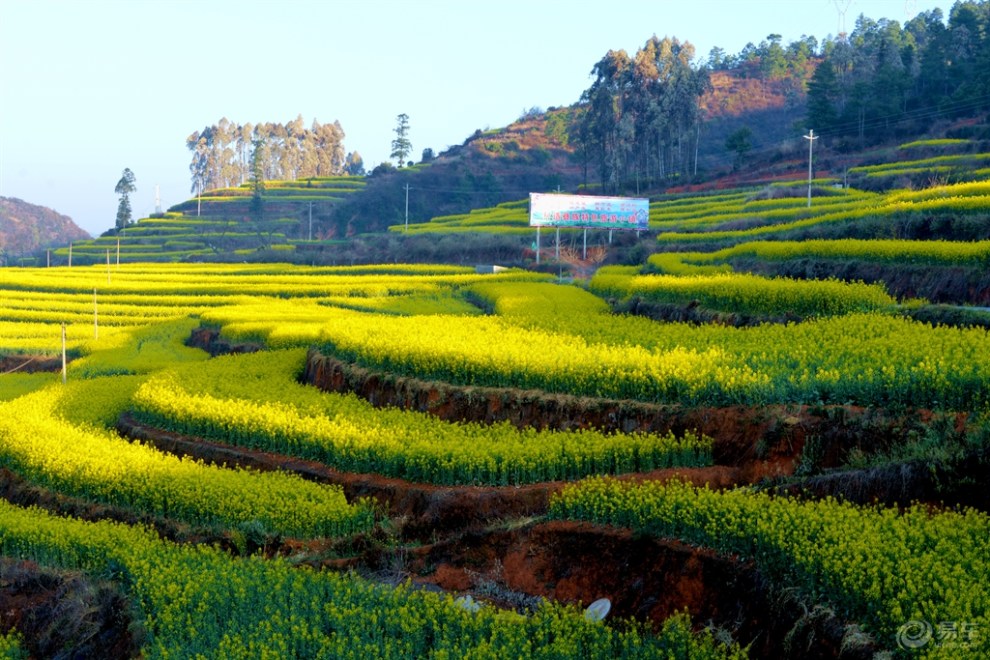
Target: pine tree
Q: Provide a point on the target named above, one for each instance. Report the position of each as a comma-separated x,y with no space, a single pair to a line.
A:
823,89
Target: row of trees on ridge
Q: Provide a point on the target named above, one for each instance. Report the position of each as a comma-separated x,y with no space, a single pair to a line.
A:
223,153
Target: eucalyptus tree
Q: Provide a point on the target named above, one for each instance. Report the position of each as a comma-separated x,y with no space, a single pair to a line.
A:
401,146
125,186
222,153
641,113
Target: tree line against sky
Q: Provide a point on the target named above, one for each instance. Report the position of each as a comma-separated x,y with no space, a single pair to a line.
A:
223,153
640,120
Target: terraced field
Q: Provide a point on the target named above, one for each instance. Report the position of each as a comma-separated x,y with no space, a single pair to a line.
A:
407,453
766,436
219,225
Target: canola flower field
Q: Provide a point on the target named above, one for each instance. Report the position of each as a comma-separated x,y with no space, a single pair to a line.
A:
199,602
125,333
862,358
255,401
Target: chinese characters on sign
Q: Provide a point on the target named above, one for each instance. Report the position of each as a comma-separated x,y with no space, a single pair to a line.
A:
588,212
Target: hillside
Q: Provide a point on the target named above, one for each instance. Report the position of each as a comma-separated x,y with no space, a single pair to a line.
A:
26,227
532,154
770,109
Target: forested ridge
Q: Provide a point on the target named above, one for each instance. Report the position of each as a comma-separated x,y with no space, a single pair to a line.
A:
646,117
649,118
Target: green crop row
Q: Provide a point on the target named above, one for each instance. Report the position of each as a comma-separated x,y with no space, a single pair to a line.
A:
499,218
942,142
867,359
702,211
56,437
935,253
98,465
968,160
257,402
973,201
745,293
845,206
348,183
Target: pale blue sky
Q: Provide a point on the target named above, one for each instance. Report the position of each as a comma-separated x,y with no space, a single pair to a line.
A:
89,87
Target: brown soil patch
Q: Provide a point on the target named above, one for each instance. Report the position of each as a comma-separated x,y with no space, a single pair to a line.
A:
644,578
59,610
29,364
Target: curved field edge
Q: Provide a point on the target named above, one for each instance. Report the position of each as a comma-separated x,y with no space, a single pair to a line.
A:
255,401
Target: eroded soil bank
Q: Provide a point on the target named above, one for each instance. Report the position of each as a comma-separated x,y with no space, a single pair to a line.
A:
645,579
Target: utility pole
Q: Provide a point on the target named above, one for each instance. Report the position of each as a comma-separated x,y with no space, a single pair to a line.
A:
63,353
407,207
311,221
810,137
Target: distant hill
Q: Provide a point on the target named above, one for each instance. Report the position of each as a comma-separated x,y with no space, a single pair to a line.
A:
26,228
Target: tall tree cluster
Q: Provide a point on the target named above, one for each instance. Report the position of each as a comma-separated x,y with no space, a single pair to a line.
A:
222,154
641,119
885,78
